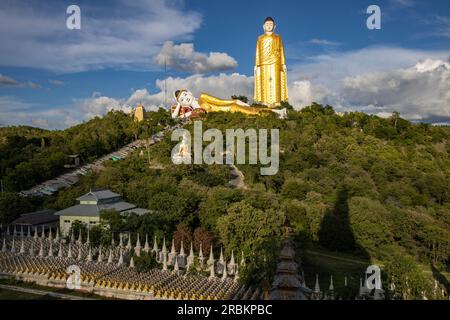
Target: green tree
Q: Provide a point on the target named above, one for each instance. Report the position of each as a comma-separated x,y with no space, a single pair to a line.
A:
12,205
242,98
407,277
145,262
245,227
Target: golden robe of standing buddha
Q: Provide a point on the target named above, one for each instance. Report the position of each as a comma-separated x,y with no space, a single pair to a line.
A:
270,68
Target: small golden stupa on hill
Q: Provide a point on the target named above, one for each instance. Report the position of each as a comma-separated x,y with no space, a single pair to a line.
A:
139,113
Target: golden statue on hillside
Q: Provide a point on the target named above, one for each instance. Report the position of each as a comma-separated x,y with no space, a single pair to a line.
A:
139,113
270,68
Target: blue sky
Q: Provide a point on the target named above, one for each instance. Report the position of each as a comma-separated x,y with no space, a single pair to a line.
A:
54,77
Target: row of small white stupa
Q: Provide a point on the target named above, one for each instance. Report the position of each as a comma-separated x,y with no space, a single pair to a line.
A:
166,258
364,292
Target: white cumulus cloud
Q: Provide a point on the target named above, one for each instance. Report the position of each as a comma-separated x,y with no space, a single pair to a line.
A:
421,92
124,34
377,80
183,57
222,86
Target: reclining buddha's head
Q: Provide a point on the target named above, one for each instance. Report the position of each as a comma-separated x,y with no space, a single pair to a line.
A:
184,97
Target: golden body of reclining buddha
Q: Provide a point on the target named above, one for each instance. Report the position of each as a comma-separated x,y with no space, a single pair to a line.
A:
212,104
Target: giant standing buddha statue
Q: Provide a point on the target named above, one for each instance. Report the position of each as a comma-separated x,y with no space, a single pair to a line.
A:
270,68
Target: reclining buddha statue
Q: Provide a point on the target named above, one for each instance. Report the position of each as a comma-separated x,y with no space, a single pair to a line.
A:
188,106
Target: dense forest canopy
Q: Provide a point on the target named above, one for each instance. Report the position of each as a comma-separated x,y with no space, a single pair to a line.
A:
375,188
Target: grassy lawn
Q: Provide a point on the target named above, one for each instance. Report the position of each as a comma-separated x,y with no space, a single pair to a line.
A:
317,260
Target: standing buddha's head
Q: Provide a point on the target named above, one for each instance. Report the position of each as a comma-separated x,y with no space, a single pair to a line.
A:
269,25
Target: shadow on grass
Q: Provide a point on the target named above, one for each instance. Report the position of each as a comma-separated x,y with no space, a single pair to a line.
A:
337,237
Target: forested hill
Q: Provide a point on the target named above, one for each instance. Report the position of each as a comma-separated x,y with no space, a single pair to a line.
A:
31,155
374,188
360,183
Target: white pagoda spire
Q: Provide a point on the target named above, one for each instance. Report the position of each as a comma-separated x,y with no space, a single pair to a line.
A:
13,247
172,249
129,242
22,247
79,241
4,245
211,257
69,251
88,240
57,234
35,233
191,257
41,249
146,245
138,242
43,232
232,264
89,256
172,254
100,255
60,251
131,262
50,234
242,259
137,248
79,254
164,261
50,250
164,248
110,258
120,258
155,246
221,264
29,231
317,286
201,258
182,249
224,273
